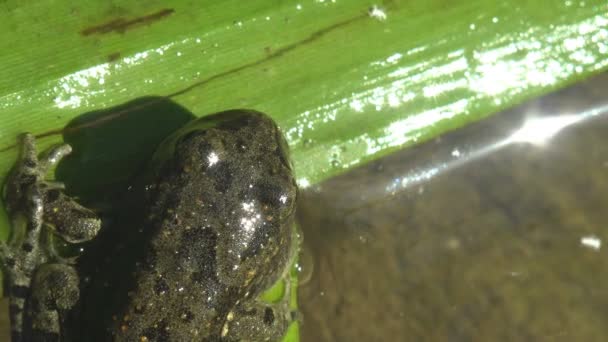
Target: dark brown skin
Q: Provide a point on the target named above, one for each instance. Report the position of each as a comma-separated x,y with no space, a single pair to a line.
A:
221,204
218,201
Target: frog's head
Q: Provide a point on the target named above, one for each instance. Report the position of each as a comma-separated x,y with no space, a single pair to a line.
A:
235,172
245,158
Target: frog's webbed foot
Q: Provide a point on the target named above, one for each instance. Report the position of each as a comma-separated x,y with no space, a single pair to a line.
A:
55,290
41,201
68,219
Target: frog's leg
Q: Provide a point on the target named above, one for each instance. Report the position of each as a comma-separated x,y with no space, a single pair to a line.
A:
25,196
51,157
55,290
24,205
259,321
70,220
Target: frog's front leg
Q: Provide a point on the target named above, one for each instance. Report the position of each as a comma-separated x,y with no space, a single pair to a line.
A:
32,205
256,320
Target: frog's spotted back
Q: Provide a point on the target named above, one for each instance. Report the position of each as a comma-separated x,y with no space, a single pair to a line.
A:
221,199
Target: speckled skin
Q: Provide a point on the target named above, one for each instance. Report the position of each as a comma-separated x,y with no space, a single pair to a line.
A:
221,200
41,285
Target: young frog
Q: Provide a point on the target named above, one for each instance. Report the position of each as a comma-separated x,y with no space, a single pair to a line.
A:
220,200
218,230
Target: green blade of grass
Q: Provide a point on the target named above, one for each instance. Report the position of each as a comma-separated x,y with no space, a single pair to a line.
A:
347,82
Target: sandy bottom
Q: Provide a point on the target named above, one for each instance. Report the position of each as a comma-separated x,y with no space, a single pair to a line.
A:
484,234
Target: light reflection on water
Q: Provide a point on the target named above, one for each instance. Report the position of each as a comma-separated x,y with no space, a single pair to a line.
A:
493,232
535,130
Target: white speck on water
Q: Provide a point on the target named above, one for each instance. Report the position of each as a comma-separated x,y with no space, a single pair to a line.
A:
591,241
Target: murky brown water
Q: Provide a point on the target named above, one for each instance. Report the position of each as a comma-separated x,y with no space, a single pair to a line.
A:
479,235
485,234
